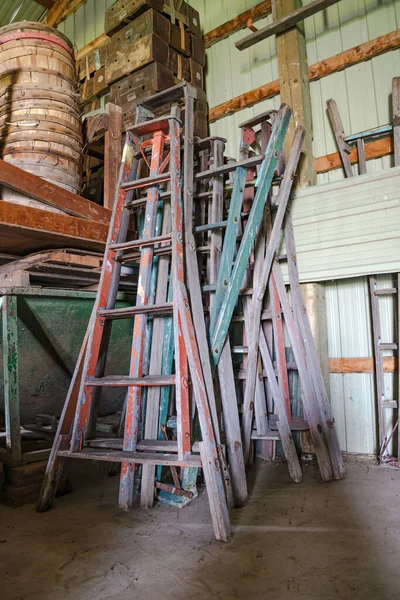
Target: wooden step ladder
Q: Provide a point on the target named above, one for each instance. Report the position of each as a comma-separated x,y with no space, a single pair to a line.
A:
75,437
385,405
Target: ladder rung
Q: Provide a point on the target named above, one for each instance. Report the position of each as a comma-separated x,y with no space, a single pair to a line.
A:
271,435
133,457
160,123
126,381
387,346
385,291
211,226
146,181
389,404
130,311
142,242
143,445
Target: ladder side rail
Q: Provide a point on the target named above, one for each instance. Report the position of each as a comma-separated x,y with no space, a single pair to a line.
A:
133,404
95,346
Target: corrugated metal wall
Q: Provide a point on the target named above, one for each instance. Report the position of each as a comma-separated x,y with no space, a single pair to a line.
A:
363,96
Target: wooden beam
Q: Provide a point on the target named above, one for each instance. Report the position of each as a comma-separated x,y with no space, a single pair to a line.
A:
284,23
51,194
97,43
112,153
348,58
24,229
294,87
45,3
375,149
61,10
361,365
237,23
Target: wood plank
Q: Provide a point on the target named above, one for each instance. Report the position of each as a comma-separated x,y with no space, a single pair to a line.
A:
396,119
348,58
375,149
237,23
113,152
25,229
61,10
38,259
295,90
97,43
51,194
361,365
338,132
284,23
46,3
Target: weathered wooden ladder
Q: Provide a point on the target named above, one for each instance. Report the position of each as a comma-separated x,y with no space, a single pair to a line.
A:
384,404
75,436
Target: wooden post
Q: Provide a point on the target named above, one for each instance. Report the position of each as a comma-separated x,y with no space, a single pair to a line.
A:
295,88
10,374
113,149
396,120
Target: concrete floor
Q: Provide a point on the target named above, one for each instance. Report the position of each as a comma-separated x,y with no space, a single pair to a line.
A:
307,541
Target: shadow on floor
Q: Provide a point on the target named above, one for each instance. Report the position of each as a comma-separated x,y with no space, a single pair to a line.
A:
310,541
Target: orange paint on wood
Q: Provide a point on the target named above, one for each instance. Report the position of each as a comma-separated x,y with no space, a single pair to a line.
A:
361,365
26,217
237,23
348,58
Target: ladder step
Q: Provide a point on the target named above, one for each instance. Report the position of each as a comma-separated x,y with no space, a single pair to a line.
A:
387,346
385,291
160,123
130,311
126,381
139,458
389,404
271,435
146,182
142,242
143,445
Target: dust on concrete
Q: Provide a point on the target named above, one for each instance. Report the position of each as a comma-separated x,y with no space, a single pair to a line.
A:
308,541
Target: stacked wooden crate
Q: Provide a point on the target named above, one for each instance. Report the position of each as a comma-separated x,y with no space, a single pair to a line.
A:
153,45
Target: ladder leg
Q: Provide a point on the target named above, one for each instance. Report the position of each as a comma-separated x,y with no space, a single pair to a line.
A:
156,356
62,438
378,358
283,424
338,131
312,359
398,362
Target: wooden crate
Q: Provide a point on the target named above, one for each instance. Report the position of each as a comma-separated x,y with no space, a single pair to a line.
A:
198,50
92,62
95,86
137,87
186,14
196,73
142,41
181,40
123,11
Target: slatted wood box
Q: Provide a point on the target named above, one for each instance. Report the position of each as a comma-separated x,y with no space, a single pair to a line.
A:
198,50
96,86
92,62
138,86
123,11
181,40
139,43
184,13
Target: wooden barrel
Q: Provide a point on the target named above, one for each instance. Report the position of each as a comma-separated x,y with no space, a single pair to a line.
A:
40,125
